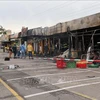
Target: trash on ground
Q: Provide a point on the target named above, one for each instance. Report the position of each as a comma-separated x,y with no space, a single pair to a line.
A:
13,66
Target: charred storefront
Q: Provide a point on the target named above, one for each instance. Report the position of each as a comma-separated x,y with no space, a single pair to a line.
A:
77,35
85,32
74,36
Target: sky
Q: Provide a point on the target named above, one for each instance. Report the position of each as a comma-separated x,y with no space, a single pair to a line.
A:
42,13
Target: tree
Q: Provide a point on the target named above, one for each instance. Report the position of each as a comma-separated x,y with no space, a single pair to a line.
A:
2,30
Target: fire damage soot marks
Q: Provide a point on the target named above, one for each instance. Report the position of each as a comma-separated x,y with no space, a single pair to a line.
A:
37,83
31,82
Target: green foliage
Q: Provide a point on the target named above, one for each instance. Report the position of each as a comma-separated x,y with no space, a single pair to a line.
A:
2,32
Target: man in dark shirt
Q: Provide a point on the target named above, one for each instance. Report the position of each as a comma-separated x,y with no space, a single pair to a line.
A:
14,48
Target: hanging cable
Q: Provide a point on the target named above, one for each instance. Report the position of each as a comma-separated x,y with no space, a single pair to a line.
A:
50,9
81,11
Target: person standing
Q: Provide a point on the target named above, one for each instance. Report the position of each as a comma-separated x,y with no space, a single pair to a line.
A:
18,52
10,51
22,50
3,48
56,49
29,50
14,48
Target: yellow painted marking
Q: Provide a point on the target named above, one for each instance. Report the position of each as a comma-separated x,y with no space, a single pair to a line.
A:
83,95
11,90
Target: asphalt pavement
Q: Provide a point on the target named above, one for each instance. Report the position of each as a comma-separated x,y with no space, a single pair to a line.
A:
40,79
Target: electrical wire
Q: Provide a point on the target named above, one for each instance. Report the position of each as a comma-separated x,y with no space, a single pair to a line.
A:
68,14
53,8
48,10
81,11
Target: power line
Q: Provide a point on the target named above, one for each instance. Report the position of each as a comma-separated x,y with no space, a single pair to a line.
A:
80,11
68,14
66,9
54,8
41,4
46,11
71,14
30,11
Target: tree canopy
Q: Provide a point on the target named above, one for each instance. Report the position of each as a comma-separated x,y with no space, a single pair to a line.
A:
2,30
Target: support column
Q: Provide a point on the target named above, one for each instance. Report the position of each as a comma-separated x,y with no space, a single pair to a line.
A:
69,46
59,44
35,47
76,42
42,46
83,43
53,46
71,42
49,44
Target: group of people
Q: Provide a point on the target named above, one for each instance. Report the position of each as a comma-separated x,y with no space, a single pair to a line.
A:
22,51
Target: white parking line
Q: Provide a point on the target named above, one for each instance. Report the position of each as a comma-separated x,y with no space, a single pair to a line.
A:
51,91
47,75
86,79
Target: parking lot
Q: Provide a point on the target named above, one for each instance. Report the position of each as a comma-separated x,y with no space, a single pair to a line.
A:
40,79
